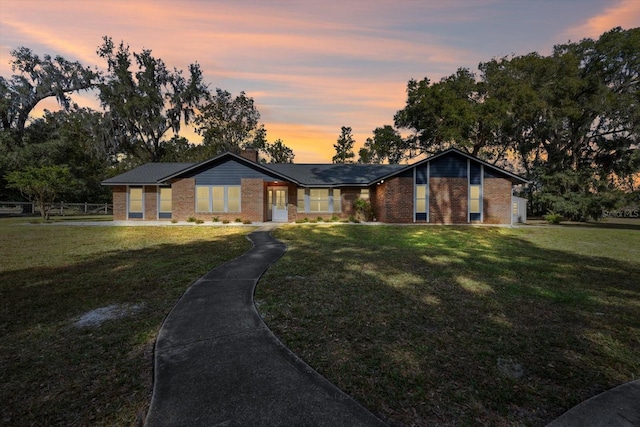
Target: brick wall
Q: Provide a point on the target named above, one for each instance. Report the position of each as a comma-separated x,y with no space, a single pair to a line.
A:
252,199
119,202
150,202
183,199
394,200
377,193
497,201
448,200
348,198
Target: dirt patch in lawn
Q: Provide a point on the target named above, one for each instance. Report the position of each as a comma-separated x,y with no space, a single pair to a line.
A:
97,317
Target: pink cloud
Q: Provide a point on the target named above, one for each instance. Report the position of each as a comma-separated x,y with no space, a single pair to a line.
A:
625,14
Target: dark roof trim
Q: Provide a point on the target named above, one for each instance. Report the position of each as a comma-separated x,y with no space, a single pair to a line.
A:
233,156
515,179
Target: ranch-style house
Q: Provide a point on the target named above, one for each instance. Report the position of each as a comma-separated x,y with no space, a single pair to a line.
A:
451,187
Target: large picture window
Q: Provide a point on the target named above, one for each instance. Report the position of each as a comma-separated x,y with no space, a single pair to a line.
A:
421,198
218,198
321,200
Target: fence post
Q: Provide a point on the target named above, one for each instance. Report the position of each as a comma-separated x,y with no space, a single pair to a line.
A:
61,208
85,208
105,208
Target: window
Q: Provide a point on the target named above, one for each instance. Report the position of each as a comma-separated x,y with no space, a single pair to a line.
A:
136,202
164,202
319,200
421,198
337,200
474,199
218,198
364,193
515,209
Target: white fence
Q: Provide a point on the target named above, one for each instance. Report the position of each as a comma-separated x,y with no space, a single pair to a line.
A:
59,208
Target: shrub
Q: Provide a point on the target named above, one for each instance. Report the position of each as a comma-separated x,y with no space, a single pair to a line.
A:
174,221
199,221
553,218
238,219
363,209
335,219
246,221
319,219
225,221
300,221
191,219
215,219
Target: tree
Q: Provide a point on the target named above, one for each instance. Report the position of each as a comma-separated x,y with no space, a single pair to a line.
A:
386,145
145,105
229,124
38,79
344,147
278,152
457,111
42,185
573,119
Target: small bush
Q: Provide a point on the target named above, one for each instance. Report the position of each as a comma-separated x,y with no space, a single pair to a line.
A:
314,221
335,219
246,221
553,218
238,219
191,219
320,219
300,221
215,219
199,221
174,221
353,219
225,221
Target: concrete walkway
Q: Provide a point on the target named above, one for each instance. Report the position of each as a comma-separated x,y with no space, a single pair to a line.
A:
217,363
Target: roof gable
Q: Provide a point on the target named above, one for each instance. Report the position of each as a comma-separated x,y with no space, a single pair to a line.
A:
515,179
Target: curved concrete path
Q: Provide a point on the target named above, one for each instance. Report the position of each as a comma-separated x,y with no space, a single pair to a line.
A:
217,363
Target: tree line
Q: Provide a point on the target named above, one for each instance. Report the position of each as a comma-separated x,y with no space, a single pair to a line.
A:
569,122
144,106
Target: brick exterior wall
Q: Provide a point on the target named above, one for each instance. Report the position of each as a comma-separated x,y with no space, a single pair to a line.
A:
252,200
150,202
119,202
183,199
377,193
393,200
348,198
448,200
496,203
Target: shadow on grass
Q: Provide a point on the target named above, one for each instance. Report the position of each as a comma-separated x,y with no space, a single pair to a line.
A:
54,373
454,326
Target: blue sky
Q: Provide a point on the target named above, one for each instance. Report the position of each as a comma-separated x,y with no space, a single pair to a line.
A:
311,66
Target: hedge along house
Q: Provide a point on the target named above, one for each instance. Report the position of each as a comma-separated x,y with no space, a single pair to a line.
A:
451,187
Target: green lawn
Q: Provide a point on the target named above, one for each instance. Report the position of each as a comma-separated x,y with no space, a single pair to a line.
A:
53,373
461,325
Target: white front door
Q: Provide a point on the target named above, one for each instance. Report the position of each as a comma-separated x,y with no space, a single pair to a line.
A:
278,200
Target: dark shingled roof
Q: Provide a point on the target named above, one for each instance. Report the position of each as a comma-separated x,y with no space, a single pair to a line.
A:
312,175
149,173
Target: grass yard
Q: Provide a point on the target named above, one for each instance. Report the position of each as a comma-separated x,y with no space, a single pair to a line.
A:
460,325
53,373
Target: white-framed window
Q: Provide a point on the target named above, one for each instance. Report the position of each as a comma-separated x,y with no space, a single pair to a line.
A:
136,202
218,198
336,201
475,198
364,193
164,202
516,208
421,198
326,200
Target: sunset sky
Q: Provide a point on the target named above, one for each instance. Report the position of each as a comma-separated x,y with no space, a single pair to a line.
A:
311,66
